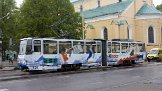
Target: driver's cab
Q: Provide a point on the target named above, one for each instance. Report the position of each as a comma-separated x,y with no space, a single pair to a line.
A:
29,46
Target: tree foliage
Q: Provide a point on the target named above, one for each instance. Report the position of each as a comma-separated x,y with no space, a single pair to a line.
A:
7,20
159,7
49,18
38,18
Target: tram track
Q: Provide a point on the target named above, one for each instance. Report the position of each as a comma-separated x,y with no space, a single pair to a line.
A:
27,75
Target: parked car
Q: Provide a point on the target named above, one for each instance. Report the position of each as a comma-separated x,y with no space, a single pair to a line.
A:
155,54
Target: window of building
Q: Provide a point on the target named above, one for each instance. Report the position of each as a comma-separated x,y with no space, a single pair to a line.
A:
150,35
128,33
105,34
120,0
81,8
99,3
161,35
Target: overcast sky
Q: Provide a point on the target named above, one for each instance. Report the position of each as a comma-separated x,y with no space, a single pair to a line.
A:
156,2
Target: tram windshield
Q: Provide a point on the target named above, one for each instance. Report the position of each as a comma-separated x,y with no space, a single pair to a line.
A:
22,49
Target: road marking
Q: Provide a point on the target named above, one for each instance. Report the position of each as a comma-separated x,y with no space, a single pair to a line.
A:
19,81
129,69
64,77
136,76
96,83
4,89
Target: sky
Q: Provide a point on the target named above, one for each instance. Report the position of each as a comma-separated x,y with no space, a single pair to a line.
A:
156,2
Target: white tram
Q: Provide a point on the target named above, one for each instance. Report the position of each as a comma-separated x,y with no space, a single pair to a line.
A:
54,54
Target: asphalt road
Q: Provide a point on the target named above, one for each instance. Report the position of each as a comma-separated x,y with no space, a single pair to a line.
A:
131,79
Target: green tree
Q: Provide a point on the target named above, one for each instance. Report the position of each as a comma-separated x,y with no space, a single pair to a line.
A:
159,7
49,18
7,21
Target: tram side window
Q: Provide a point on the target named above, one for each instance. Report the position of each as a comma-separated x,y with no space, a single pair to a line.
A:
50,47
133,46
98,47
78,47
109,47
94,49
37,46
115,47
160,51
29,47
124,47
141,47
65,47
90,47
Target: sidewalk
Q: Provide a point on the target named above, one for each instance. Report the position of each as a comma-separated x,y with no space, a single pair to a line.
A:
6,66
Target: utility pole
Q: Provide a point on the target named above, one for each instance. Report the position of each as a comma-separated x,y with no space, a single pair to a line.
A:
81,10
104,52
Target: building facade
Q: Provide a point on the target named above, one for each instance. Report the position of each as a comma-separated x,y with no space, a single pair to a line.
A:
121,19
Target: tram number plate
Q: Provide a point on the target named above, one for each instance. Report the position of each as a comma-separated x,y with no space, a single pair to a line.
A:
35,67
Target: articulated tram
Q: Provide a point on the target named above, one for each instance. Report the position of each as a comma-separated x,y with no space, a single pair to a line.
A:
38,54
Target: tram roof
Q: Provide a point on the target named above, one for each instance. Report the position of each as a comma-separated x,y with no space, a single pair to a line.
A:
51,38
83,40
